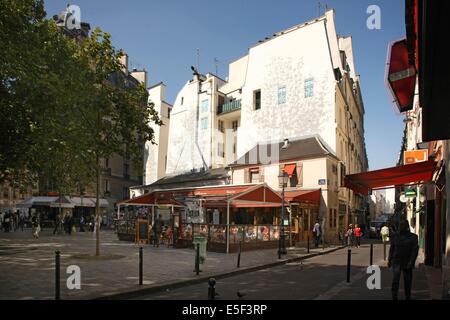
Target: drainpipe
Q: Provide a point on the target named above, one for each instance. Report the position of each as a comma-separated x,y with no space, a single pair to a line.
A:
199,81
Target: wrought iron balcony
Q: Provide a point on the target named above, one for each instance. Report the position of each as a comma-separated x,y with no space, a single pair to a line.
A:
229,107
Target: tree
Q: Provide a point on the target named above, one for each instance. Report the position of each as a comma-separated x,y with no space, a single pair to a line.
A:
117,119
64,104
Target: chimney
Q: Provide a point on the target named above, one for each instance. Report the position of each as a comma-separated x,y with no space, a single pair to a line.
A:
124,63
140,75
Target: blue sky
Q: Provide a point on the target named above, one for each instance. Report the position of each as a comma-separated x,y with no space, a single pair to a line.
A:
163,37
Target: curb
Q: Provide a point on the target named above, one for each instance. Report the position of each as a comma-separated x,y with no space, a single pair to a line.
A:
133,293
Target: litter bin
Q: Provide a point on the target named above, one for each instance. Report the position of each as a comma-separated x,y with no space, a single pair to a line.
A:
201,240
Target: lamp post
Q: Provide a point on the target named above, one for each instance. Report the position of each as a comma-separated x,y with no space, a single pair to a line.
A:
283,179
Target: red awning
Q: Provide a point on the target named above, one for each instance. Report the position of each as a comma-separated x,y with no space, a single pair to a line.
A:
303,196
412,173
289,169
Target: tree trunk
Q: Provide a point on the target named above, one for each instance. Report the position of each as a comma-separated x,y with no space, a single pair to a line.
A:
97,208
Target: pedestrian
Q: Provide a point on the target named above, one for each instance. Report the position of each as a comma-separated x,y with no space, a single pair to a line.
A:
157,228
349,236
35,222
1,220
7,221
385,234
402,258
358,235
69,224
21,220
317,233
57,223
82,222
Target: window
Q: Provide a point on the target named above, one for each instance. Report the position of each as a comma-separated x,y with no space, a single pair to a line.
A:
106,163
257,99
254,175
125,194
107,186
220,149
309,87
182,100
235,125
126,169
220,126
205,104
204,123
282,95
168,112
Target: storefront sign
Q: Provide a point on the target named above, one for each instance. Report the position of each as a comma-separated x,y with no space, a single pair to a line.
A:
410,193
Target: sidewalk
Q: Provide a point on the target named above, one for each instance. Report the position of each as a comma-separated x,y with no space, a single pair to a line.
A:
27,265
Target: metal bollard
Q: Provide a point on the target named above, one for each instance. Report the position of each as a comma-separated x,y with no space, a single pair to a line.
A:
140,267
349,260
197,260
308,242
57,276
239,254
384,250
212,289
371,254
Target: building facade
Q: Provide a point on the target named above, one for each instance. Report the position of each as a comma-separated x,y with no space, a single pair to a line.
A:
282,89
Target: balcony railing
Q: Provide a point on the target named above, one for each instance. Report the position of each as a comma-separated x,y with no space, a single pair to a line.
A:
229,107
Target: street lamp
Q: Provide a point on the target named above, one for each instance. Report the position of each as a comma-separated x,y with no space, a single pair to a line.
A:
283,180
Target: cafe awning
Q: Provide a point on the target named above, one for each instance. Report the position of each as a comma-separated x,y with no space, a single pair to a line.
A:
303,196
362,183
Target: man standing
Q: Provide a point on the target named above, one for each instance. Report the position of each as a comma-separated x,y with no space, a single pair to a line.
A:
402,258
157,228
317,233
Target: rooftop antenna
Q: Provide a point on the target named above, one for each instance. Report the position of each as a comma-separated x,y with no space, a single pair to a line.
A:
216,64
198,59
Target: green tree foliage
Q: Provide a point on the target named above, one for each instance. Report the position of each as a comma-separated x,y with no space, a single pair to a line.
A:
65,104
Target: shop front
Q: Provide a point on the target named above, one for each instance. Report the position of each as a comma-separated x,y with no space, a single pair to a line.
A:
227,216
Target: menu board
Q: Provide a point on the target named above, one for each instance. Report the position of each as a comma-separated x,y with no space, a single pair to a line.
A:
142,231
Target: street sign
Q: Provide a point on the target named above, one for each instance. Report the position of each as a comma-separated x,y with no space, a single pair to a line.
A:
410,193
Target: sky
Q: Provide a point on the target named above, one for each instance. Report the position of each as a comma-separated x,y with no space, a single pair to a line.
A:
164,38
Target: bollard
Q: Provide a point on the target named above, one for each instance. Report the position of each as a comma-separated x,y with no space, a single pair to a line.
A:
371,254
308,242
349,259
140,267
197,260
384,250
239,254
57,276
212,289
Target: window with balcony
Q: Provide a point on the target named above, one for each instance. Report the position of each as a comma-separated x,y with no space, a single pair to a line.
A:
204,105
204,123
282,95
257,99
125,193
309,87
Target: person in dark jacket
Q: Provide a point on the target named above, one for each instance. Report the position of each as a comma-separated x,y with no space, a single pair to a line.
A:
157,229
402,258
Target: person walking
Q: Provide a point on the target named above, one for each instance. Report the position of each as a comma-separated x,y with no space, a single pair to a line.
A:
402,258
157,228
57,223
358,234
349,236
82,222
36,226
317,233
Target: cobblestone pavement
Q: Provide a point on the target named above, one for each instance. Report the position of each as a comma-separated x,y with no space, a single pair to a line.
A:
27,264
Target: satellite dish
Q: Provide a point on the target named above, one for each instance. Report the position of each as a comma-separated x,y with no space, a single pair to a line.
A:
403,198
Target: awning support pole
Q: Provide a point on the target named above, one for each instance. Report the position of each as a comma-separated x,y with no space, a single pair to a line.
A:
118,211
228,226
